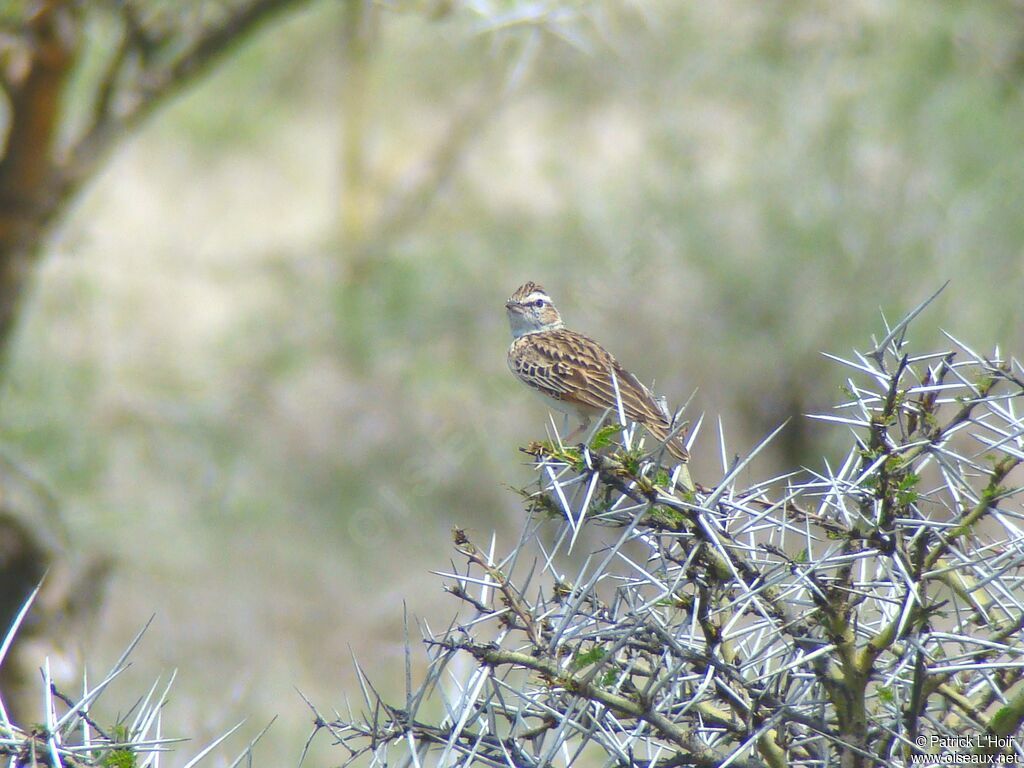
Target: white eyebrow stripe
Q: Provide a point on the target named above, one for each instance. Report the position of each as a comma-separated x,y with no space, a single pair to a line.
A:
536,295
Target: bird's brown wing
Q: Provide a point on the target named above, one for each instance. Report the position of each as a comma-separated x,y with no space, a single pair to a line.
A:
574,368
533,365
570,366
593,382
638,405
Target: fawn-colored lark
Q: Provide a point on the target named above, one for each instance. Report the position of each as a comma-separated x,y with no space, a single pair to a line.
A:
574,373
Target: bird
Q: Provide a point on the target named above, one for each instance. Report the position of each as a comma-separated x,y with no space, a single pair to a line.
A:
575,374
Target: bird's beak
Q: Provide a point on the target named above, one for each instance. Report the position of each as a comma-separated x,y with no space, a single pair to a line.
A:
510,305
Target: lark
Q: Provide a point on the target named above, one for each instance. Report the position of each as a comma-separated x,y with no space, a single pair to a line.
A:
575,374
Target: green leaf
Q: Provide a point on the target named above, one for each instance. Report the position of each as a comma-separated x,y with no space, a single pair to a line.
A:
605,436
905,493
581,660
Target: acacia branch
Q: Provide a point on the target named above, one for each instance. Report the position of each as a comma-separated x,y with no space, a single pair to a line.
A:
699,754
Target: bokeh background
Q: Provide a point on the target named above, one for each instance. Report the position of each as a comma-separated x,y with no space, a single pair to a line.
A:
262,366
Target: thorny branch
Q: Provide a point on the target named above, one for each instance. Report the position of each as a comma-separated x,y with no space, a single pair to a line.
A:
831,617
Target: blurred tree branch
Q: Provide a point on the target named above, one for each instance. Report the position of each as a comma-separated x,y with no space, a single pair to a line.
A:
155,55
33,76
408,199
152,61
40,174
376,213
358,38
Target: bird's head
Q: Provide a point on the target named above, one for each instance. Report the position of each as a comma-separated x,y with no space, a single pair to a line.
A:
530,311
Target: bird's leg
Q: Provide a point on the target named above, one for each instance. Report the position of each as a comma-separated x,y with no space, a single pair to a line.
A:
573,436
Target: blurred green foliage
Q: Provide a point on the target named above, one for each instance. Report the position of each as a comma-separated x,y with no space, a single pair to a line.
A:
717,191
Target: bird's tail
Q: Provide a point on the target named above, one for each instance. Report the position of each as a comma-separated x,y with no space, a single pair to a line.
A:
675,445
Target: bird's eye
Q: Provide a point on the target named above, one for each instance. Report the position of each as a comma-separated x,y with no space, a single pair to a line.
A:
539,303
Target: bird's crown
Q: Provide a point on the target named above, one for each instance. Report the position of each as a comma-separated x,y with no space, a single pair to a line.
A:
527,292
